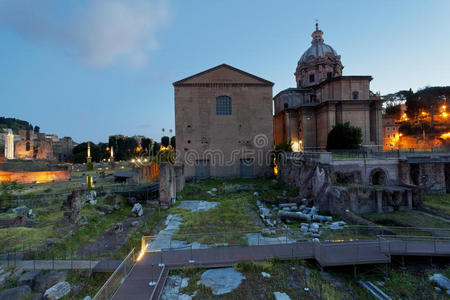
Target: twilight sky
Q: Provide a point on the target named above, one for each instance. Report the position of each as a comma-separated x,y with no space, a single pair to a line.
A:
93,68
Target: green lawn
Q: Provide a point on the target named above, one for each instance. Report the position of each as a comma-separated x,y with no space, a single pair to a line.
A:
414,219
440,203
235,213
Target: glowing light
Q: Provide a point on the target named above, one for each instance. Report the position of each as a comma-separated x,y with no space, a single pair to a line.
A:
444,114
164,148
445,136
39,177
133,160
275,170
141,254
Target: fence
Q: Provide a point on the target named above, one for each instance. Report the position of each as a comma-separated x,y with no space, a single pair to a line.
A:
284,236
113,283
419,245
151,191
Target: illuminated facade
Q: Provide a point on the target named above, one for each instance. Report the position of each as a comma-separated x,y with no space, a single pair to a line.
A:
323,98
9,144
391,134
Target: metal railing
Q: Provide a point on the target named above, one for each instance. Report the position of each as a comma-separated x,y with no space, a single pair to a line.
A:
285,236
116,279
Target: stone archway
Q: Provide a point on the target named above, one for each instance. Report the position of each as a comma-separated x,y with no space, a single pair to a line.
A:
378,177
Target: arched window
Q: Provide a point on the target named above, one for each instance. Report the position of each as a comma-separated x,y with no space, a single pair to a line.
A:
223,105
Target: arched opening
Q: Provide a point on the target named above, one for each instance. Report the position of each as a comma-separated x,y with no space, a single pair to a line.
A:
378,177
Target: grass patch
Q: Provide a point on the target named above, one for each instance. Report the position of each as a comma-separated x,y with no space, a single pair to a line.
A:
440,203
89,284
231,218
134,238
407,219
290,277
22,238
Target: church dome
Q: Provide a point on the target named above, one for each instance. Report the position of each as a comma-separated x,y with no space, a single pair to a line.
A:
318,63
318,51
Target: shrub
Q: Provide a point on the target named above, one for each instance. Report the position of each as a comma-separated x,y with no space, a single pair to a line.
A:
90,166
344,136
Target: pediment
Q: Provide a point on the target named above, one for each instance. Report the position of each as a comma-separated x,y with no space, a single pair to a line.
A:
223,74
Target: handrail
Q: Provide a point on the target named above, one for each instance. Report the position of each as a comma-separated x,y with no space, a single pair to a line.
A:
413,237
105,285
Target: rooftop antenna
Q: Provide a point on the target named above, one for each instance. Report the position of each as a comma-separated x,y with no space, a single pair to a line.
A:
317,24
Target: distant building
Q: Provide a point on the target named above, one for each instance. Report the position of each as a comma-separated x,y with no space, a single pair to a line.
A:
391,134
33,145
223,123
323,98
63,148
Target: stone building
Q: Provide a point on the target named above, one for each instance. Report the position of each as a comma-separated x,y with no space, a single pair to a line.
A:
33,145
324,97
391,133
62,149
223,120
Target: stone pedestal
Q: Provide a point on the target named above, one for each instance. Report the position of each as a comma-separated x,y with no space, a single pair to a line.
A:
379,201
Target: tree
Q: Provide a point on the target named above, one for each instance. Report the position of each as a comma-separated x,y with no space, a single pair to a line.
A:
344,136
394,111
165,141
172,142
146,144
283,146
156,147
428,99
80,153
165,156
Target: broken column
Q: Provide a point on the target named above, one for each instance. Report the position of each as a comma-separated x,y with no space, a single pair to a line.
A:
167,184
72,206
410,202
179,177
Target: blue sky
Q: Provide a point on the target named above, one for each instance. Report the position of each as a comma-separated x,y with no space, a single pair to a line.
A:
89,69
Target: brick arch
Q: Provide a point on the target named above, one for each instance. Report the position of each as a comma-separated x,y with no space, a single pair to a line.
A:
378,176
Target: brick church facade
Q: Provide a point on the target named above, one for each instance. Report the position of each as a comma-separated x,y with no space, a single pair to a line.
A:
324,97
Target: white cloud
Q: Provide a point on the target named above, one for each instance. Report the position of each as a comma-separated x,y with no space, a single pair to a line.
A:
98,32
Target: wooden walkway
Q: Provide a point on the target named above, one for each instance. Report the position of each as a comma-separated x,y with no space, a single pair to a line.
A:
154,266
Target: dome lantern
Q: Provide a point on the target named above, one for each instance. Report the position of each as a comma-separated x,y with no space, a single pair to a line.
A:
318,63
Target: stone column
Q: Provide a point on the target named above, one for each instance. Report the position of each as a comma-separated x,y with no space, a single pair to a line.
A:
410,202
179,177
379,201
9,144
167,193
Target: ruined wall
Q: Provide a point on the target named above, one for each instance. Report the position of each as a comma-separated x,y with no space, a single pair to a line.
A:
338,186
431,178
38,177
149,172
